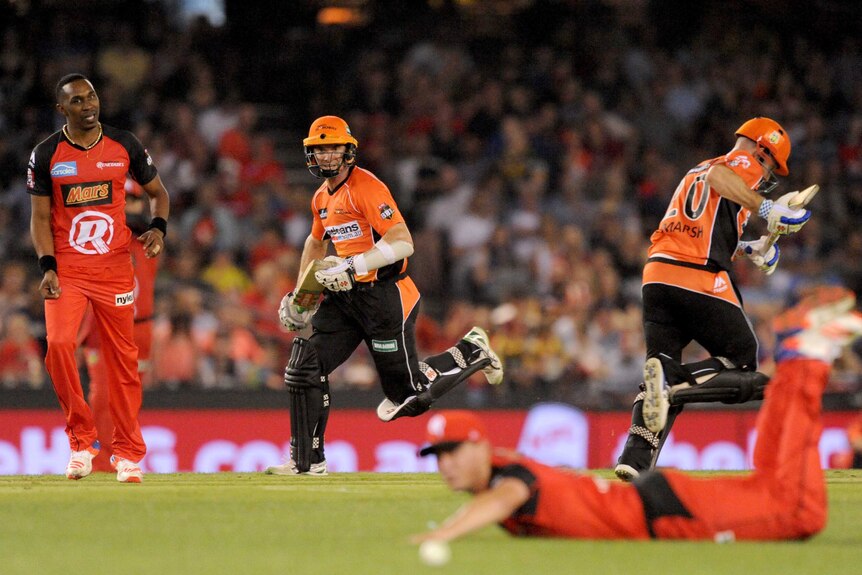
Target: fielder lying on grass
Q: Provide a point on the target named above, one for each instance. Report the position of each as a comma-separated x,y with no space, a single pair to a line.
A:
784,498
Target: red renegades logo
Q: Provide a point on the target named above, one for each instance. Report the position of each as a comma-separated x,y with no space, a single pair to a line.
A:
87,194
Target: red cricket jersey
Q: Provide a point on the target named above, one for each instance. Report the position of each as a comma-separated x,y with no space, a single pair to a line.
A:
87,189
564,503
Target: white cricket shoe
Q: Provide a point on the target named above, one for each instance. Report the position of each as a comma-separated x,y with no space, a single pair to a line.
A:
478,337
388,410
626,472
81,462
289,468
127,471
656,403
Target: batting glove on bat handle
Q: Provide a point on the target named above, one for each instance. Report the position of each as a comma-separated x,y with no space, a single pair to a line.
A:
338,277
291,316
768,262
781,218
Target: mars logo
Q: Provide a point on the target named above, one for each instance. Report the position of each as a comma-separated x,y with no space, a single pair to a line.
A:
87,194
92,232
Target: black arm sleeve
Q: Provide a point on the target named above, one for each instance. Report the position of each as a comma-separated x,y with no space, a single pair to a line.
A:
39,167
141,165
524,475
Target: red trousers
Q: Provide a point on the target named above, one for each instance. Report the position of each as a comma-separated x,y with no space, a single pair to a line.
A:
108,290
785,497
145,280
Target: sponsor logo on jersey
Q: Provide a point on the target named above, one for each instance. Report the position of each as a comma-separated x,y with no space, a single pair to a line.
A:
61,169
740,160
322,213
430,373
774,137
720,285
102,165
385,346
343,232
31,179
149,159
124,299
385,211
87,194
91,232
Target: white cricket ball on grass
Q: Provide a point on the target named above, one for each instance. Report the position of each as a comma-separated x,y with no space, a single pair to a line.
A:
435,553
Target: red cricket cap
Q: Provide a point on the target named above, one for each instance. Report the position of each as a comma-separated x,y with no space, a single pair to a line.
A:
446,429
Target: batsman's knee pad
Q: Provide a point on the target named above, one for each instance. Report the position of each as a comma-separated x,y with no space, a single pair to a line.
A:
729,386
303,368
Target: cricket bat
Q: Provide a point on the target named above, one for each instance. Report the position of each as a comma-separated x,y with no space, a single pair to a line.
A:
801,200
308,290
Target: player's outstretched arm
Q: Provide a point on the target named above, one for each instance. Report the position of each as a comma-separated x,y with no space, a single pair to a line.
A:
487,508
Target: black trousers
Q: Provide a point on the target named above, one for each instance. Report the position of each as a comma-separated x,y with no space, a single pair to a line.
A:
674,317
373,314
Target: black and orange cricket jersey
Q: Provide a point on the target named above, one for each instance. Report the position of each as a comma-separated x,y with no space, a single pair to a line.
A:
700,227
354,216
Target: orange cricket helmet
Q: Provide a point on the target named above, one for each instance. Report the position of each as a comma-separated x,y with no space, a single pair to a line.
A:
771,137
325,131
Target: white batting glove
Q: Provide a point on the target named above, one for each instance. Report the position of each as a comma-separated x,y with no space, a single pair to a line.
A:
782,219
338,277
766,262
291,316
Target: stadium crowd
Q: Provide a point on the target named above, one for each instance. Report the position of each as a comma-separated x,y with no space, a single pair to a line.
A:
537,162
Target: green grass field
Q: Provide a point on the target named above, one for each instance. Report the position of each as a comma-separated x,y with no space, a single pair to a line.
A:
344,524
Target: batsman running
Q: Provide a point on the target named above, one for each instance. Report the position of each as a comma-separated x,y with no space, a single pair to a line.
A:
368,297
689,293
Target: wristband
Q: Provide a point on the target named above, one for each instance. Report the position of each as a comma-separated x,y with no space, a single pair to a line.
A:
48,263
765,208
359,264
160,224
387,251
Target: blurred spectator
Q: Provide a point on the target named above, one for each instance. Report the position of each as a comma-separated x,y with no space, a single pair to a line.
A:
530,166
20,354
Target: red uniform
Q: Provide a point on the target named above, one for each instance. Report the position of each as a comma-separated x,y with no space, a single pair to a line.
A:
145,279
91,244
785,497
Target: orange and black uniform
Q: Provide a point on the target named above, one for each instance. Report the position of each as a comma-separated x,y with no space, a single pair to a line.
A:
382,307
688,290
91,244
784,498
